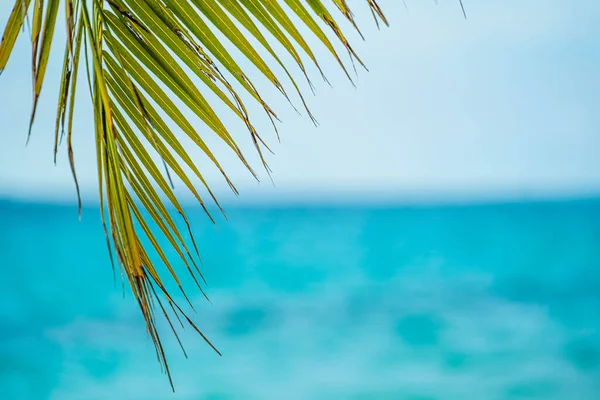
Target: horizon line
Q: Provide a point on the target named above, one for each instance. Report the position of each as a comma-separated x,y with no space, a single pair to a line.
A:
348,199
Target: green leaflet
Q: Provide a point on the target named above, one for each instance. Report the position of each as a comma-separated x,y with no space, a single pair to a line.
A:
303,14
11,31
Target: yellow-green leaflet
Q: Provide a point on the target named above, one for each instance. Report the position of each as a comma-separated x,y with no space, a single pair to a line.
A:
11,31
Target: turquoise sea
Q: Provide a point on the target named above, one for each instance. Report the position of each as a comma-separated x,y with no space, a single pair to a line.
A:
482,302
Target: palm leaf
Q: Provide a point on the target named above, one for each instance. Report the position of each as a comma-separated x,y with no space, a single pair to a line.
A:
143,58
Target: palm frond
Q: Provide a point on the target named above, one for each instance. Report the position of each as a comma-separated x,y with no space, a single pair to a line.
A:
142,59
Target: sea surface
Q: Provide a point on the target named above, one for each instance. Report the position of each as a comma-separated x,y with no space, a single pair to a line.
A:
462,302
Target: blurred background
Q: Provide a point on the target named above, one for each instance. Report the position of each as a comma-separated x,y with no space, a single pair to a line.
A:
436,237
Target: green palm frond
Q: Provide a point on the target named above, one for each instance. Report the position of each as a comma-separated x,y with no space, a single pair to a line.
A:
142,59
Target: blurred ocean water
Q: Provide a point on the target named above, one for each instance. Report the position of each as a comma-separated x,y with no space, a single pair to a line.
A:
487,302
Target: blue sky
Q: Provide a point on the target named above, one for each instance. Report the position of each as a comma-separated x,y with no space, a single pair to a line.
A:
502,104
